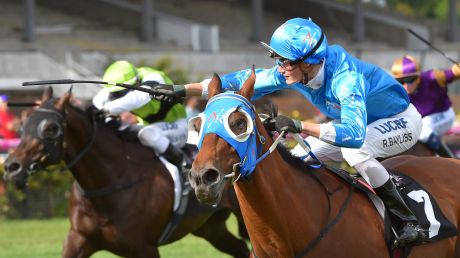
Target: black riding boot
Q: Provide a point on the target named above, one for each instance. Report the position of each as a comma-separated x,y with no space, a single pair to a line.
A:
411,232
174,155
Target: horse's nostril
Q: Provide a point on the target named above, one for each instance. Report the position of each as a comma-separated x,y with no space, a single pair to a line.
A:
211,176
12,167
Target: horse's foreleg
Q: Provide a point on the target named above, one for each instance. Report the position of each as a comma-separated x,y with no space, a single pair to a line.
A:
77,246
216,233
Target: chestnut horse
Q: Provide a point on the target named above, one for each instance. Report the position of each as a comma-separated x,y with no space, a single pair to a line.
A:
286,204
122,199
422,150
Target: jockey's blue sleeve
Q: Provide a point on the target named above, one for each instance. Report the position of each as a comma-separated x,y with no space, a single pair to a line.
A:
267,81
349,89
354,93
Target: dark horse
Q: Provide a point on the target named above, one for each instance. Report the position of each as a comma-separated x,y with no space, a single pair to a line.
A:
286,204
132,192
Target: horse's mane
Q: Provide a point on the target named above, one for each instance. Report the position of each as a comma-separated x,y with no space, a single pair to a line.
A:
291,159
85,109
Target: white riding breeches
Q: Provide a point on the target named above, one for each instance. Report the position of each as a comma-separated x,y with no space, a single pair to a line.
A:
437,123
159,135
384,137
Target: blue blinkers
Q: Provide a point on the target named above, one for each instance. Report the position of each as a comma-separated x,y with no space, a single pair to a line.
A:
215,120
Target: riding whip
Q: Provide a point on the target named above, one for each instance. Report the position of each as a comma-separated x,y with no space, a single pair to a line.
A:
431,46
127,86
22,104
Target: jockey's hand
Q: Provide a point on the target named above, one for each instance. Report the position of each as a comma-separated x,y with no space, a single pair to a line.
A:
284,123
268,122
176,93
456,70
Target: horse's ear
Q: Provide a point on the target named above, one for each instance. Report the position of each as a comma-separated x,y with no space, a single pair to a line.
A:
47,94
64,100
248,87
215,86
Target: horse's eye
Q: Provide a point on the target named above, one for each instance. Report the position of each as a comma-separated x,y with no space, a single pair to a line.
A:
49,130
238,124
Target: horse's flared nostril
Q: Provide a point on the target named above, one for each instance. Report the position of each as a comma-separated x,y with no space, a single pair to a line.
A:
12,167
211,176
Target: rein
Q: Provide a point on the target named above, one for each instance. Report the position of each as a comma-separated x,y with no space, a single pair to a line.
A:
83,152
87,193
105,190
326,229
85,149
263,156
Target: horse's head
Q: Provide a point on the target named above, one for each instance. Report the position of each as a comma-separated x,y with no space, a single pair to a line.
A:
228,139
42,140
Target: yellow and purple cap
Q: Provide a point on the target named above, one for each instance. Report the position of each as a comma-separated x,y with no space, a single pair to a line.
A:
405,66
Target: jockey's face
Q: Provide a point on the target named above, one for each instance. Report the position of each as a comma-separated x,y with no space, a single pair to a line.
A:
291,73
410,83
295,73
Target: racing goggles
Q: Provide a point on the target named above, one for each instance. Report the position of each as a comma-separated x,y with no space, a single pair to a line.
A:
284,62
408,79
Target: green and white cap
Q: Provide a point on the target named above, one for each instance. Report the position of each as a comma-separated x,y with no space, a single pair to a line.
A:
120,72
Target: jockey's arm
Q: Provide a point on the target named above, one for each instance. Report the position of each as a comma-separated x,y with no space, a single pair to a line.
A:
267,81
456,71
444,77
351,130
129,102
194,89
100,99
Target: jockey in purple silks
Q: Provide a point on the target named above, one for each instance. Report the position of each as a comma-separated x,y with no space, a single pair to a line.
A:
428,93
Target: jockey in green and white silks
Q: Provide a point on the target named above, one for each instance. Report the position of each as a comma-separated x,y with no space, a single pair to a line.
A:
163,125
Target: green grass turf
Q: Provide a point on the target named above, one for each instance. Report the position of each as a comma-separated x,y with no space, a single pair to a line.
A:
44,239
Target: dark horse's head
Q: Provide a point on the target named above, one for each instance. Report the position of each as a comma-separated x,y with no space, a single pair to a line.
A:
42,140
227,137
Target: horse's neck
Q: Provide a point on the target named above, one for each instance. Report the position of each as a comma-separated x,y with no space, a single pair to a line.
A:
95,168
275,190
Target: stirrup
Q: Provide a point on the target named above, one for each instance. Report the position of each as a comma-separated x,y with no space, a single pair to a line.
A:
421,236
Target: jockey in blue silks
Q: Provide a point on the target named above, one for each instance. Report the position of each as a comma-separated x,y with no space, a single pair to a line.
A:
372,114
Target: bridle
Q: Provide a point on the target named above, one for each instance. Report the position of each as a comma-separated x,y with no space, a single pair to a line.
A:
54,144
248,145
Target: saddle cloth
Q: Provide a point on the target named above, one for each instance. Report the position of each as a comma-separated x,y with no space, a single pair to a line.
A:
417,198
